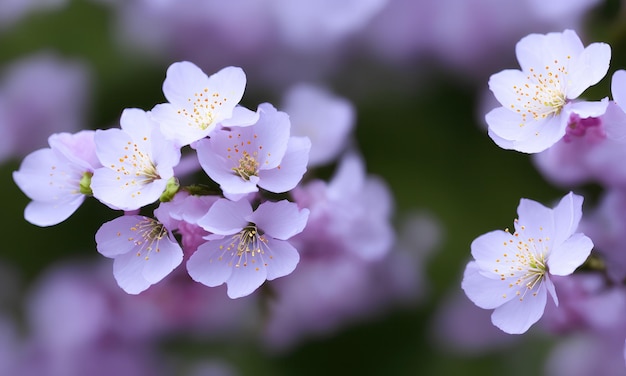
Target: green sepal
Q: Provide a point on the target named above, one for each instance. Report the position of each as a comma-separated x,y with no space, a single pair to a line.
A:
85,184
170,190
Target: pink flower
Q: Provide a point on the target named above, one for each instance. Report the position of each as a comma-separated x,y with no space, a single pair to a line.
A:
252,245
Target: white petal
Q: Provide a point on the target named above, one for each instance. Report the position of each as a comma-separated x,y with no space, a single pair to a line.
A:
572,253
485,292
516,316
588,68
618,88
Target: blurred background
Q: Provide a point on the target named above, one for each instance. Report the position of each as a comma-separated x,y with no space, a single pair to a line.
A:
415,73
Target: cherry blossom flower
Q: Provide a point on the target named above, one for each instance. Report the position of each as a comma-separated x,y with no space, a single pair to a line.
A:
537,100
197,103
137,162
511,272
57,178
263,155
251,246
144,250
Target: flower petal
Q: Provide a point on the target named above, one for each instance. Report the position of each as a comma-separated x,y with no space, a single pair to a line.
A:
291,169
280,220
245,279
280,258
588,68
517,315
45,214
569,255
212,263
117,236
165,257
618,88
226,217
127,270
484,292
567,215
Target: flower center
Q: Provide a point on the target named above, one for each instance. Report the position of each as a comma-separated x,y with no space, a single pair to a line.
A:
149,233
523,263
542,94
248,165
137,164
205,105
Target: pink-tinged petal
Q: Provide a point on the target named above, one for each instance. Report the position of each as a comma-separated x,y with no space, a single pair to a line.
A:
517,315
281,258
326,119
79,148
569,255
108,144
219,167
505,86
618,88
212,263
614,123
127,270
183,79
485,292
588,69
45,214
165,256
567,215
371,239
246,278
117,236
349,178
226,217
291,169
280,220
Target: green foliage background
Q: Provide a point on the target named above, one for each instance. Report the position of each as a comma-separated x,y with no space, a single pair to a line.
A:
424,140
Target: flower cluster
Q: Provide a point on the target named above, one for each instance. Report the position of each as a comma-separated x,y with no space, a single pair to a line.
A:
234,227
573,142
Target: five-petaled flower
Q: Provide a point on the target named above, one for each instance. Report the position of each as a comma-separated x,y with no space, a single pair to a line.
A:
197,102
56,179
537,100
137,162
242,159
511,272
144,250
247,247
